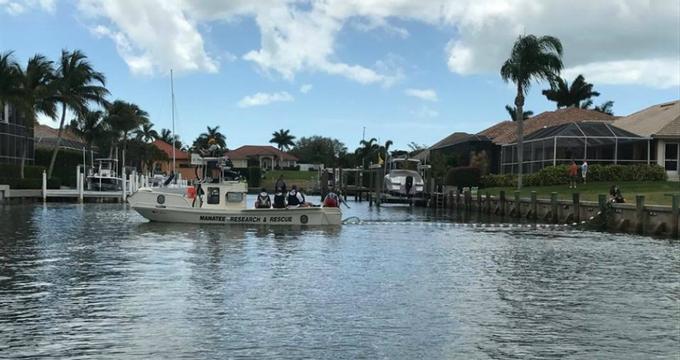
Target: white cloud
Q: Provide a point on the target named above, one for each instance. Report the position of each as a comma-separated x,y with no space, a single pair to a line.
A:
305,88
260,99
613,42
18,7
425,112
662,73
301,35
151,36
423,94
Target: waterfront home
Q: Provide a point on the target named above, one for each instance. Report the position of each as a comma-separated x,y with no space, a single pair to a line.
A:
463,146
46,137
598,142
661,123
505,132
492,139
263,156
13,132
182,161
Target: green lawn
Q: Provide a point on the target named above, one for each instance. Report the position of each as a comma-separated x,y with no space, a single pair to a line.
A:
654,191
303,179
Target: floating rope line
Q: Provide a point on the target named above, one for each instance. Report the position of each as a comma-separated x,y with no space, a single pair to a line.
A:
357,221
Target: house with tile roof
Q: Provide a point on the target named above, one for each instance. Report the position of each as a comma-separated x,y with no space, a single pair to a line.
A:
265,157
46,137
182,161
463,146
661,123
503,133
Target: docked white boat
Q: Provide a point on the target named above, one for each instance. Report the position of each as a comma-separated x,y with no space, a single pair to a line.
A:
104,176
403,178
222,201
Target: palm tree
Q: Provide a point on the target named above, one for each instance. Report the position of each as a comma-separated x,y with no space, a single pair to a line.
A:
124,119
283,139
532,58
366,149
565,95
146,133
91,127
512,111
384,149
212,133
166,135
36,96
606,107
76,86
9,89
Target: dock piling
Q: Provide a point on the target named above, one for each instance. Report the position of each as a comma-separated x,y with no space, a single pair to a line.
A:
676,214
576,198
44,186
518,205
534,206
554,208
640,213
502,202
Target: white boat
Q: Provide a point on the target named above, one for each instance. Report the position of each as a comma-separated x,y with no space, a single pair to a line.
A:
104,177
222,201
403,177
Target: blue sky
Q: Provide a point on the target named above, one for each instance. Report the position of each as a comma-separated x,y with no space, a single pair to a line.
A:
406,70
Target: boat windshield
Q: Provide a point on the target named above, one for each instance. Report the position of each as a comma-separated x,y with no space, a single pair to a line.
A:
405,165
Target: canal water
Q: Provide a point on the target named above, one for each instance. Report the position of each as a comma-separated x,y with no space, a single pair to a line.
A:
99,281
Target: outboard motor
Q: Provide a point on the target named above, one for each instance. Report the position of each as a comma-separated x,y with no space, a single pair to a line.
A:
409,184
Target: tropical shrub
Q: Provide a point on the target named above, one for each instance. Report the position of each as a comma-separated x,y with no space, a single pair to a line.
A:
557,175
463,176
497,180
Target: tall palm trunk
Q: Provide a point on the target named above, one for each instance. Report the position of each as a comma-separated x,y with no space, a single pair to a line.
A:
56,146
519,118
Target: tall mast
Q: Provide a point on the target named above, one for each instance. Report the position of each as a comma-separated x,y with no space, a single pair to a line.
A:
172,93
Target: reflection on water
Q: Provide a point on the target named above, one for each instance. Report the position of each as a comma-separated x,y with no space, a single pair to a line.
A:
99,281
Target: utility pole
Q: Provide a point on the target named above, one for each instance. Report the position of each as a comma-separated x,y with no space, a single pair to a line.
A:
172,94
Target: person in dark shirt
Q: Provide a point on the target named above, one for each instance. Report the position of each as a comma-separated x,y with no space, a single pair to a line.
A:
280,185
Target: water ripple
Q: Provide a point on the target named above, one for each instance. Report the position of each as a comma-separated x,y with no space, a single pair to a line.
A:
99,281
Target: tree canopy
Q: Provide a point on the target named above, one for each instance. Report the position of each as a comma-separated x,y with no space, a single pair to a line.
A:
319,150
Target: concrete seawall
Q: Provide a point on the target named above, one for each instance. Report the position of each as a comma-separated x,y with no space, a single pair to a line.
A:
636,218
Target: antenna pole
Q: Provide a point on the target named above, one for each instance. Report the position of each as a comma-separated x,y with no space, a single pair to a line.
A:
172,93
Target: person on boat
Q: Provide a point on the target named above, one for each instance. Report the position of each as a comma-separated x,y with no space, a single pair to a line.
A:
332,200
279,200
296,198
263,200
280,185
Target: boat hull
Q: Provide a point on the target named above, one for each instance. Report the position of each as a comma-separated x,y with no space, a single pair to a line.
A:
313,216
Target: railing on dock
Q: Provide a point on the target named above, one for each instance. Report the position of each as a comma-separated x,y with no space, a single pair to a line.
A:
130,185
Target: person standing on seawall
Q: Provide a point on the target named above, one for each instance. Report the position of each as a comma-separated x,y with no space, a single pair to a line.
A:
573,174
584,171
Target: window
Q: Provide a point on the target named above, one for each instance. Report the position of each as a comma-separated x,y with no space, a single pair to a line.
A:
213,196
672,153
234,197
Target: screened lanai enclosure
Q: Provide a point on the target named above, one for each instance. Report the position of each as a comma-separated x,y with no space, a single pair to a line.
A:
595,142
